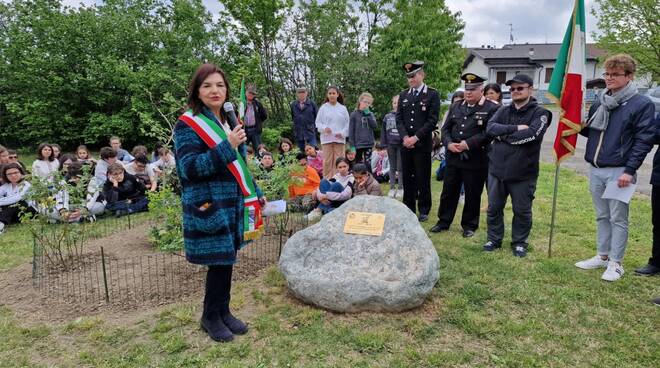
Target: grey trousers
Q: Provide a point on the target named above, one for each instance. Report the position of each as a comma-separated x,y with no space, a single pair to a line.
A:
611,214
522,196
394,157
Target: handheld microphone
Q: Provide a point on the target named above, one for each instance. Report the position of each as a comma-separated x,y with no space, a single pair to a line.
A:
231,115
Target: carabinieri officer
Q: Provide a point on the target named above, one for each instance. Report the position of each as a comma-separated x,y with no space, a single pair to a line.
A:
416,118
464,136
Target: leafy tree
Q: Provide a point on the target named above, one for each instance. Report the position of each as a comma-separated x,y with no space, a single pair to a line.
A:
81,75
259,23
420,30
632,27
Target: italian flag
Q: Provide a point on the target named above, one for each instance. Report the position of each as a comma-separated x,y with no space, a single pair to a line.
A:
243,103
567,84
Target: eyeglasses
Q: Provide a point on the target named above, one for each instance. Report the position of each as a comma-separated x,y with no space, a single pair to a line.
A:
13,173
614,75
12,156
518,89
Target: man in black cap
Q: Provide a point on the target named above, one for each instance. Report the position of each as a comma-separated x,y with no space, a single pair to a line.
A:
517,131
464,136
416,118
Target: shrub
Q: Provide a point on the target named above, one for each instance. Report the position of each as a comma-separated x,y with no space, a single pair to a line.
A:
167,232
62,244
271,134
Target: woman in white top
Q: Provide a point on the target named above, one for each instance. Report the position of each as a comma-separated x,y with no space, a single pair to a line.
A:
11,193
332,122
45,164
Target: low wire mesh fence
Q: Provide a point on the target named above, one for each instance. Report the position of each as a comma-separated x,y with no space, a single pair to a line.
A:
97,276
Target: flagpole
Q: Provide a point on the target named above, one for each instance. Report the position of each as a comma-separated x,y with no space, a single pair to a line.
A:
554,208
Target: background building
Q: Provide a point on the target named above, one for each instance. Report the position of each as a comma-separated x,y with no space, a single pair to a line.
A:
535,60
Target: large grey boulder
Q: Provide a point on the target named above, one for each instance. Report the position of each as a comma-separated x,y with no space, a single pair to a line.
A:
350,273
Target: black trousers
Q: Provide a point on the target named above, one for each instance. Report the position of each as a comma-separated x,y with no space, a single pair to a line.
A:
522,196
218,290
655,218
10,214
473,182
363,155
416,167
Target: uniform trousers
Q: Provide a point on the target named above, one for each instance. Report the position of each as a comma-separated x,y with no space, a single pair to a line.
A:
655,214
416,166
331,152
473,182
522,196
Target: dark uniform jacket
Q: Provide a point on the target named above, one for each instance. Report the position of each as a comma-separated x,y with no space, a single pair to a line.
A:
514,154
655,174
468,124
418,116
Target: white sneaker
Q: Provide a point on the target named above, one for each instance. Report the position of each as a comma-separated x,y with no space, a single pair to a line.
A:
613,272
314,214
592,263
399,194
392,193
461,199
2,228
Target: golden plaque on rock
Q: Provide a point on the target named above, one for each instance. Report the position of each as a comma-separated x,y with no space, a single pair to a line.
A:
364,223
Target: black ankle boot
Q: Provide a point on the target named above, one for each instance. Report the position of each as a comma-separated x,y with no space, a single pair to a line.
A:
236,326
216,329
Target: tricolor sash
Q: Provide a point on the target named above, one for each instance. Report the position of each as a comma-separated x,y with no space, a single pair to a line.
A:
212,135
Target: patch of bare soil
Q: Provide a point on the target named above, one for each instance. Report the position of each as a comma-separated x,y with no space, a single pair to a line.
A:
139,279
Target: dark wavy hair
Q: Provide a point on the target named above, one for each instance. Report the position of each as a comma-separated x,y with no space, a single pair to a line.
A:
282,141
13,165
495,87
41,147
340,96
203,72
340,160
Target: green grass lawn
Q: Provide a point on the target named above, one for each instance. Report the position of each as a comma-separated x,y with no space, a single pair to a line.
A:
486,310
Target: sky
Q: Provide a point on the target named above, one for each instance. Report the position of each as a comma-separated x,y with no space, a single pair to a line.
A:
534,21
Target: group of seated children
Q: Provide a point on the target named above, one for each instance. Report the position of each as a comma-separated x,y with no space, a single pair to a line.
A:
118,184
312,193
322,196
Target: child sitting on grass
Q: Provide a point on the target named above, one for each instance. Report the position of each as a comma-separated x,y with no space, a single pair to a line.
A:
334,192
123,192
380,164
300,194
12,194
365,184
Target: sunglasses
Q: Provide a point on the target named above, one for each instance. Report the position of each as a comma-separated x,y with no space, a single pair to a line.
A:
518,89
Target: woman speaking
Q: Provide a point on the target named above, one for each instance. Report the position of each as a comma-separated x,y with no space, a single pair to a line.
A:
221,203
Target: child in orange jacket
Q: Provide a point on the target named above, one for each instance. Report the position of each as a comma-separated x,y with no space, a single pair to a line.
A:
300,194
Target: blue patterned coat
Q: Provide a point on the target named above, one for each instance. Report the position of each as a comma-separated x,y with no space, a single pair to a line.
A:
214,235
